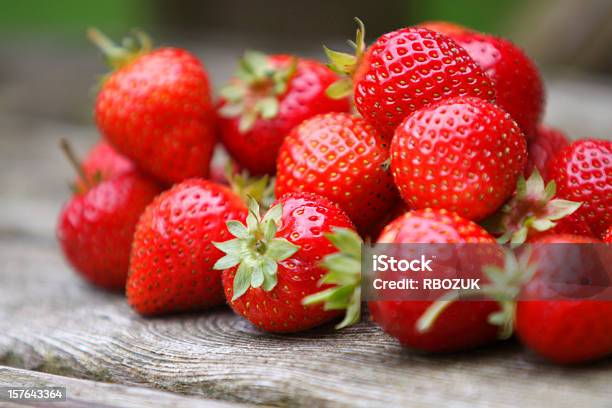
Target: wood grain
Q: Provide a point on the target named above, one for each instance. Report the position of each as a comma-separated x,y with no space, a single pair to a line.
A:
52,322
81,393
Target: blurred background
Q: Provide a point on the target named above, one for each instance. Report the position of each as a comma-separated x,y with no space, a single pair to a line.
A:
48,69
47,66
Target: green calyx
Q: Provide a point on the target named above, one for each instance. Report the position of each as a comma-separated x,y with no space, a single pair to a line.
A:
261,189
254,92
345,274
346,64
532,209
118,56
255,249
504,287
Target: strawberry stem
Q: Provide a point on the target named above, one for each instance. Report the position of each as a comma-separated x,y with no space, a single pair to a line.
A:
118,56
346,64
112,52
74,161
427,319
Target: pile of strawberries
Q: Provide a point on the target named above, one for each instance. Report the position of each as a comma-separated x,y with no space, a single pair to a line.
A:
425,136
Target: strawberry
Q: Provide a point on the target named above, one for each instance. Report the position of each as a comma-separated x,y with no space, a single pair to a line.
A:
403,71
155,108
544,145
96,225
270,95
563,331
582,172
274,261
518,85
461,325
608,235
103,163
343,158
463,154
173,255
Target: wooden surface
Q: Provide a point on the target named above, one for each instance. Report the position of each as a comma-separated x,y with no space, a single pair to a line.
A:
94,394
52,322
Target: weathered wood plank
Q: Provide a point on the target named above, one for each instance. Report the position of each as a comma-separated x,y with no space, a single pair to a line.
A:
52,322
81,393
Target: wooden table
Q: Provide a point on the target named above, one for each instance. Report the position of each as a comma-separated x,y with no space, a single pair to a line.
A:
57,330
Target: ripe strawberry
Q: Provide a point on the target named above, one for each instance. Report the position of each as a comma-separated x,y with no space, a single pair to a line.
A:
463,324
155,108
103,163
97,224
543,146
274,261
406,70
583,173
462,154
171,265
566,331
563,331
518,85
269,96
343,158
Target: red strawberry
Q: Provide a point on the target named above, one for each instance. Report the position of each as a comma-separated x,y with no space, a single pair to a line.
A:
406,70
274,261
343,158
583,173
268,97
155,108
608,235
97,224
103,163
463,324
543,146
518,85
462,154
563,331
171,265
